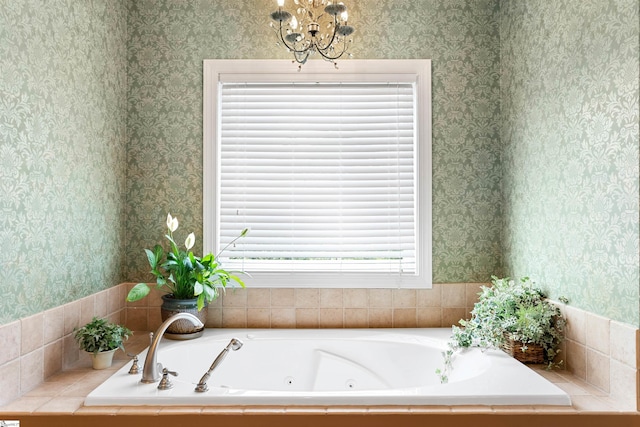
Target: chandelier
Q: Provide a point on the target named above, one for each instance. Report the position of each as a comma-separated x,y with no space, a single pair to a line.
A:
315,26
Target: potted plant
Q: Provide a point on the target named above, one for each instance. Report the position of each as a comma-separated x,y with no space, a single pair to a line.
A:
101,338
515,317
190,282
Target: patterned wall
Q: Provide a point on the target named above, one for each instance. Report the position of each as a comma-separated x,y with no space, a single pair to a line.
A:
570,129
169,39
570,135
62,151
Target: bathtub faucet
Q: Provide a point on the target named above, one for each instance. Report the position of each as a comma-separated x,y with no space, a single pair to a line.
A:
234,345
151,369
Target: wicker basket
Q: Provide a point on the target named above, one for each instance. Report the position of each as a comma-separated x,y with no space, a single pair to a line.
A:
533,354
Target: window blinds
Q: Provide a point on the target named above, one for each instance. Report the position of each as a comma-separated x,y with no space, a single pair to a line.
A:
323,174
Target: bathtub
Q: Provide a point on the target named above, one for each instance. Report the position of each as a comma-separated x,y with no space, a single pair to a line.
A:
330,367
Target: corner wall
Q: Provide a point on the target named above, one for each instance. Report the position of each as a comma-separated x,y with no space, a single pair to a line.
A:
62,151
569,92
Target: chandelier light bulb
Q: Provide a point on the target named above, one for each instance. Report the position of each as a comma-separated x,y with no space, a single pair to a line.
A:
280,3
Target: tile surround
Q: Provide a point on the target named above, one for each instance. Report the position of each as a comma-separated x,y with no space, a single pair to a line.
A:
40,346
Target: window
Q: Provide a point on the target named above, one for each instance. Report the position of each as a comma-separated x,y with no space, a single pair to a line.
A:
331,170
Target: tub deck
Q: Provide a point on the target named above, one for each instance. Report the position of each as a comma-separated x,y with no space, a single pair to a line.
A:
60,402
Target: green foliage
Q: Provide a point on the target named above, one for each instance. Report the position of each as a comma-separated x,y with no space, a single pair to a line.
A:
184,274
100,335
509,310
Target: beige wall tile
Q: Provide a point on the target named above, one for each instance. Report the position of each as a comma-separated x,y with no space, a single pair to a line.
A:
598,369
622,388
214,317
454,295
380,298
331,318
307,317
282,297
258,317
70,352
87,310
331,298
471,293
356,317
623,340
53,324
258,298
404,318
429,317
404,298
234,317
102,302
380,317
576,359
356,298
9,382
452,315
576,324
283,318
154,318
137,319
114,303
235,298
72,315
52,358
429,297
10,342
31,370
307,298
598,334
32,333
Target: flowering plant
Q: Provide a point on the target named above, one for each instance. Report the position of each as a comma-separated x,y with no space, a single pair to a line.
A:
184,274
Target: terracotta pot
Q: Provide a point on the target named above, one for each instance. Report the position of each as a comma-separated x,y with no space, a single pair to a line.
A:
182,329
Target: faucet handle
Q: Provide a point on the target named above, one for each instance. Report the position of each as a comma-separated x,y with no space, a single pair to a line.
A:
135,369
165,383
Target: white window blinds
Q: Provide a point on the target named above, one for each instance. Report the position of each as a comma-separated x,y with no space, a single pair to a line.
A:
324,175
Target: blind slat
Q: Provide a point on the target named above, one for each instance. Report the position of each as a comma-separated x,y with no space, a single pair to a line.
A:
322,174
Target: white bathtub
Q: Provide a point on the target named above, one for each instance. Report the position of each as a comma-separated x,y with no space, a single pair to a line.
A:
331,367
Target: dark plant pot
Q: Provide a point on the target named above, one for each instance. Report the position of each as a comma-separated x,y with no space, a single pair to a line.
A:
182,329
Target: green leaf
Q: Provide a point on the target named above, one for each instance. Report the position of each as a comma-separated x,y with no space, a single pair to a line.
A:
197,288
138,292
236,279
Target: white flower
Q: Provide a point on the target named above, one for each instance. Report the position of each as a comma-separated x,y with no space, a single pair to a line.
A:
172,223
189,242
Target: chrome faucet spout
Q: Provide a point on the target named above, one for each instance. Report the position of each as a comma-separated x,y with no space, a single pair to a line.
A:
151,369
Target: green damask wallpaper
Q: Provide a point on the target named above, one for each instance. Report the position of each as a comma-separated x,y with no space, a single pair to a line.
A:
570,130
62,151
101,134
169,39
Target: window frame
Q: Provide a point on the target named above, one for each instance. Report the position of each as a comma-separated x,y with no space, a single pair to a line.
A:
419,71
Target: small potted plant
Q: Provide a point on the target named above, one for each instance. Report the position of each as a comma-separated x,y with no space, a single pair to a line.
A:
190,281
515,317
101,338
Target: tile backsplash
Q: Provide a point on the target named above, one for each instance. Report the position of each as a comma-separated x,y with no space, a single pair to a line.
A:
443,305
601,352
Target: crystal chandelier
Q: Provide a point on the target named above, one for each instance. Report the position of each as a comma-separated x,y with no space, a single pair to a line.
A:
315,26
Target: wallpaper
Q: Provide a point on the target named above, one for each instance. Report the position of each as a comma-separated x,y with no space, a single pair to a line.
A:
169,39
62,145
570,130
101,136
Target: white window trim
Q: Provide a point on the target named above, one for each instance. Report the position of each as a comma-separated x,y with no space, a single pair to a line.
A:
215,71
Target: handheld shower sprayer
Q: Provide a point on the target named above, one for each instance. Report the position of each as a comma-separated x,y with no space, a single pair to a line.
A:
235,344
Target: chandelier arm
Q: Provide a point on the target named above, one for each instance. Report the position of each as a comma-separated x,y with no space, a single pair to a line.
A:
291,48
333,36
333,58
